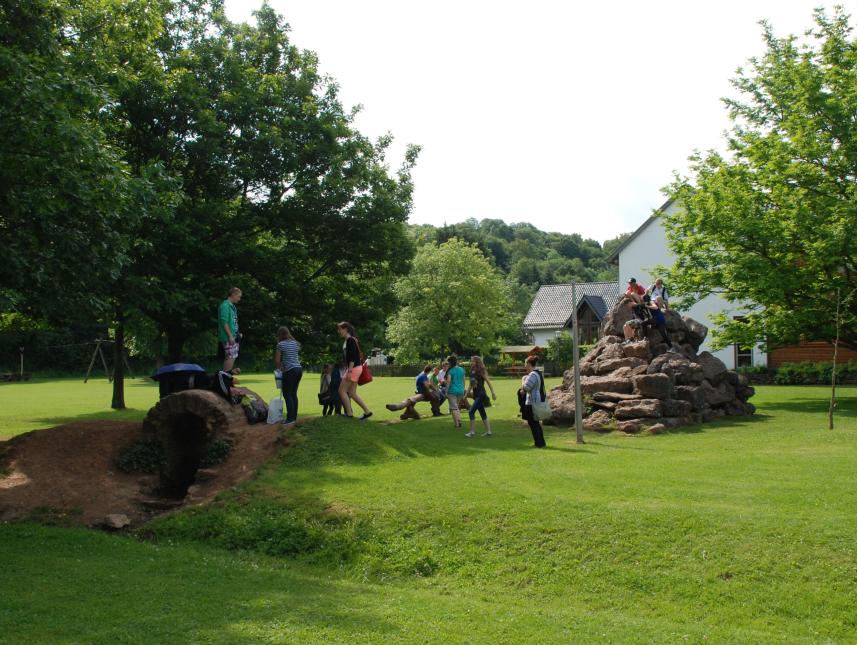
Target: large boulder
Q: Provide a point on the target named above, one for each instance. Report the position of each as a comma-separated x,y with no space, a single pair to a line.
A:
719,395
712,368
637,349
616,319
693,394
696,332
653,386
632,426
678,366
599,421
676,408
613,364
638,408
614,396
611,352
592,384
562,404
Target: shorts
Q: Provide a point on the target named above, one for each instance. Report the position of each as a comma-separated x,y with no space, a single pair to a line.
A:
354,373
634,323
453,401
230,350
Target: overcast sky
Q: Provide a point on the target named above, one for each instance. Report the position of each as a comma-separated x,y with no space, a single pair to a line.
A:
568,115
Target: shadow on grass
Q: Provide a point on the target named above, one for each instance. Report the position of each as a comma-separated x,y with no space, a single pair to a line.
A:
249,599
845,407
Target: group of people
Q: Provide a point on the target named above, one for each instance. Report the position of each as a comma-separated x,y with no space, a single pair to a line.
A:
647,309
287,361
339,381
436,384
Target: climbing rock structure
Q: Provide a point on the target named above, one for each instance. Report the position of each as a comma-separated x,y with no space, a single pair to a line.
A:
648,385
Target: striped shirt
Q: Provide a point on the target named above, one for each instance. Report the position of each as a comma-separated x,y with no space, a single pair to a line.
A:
289,355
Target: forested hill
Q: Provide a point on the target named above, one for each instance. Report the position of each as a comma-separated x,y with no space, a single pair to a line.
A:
527,255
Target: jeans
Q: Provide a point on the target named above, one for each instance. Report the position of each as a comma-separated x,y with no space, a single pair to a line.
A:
535,427
291,379
478,405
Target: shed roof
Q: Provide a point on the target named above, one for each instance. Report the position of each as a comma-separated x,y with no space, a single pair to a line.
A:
552,307
520,349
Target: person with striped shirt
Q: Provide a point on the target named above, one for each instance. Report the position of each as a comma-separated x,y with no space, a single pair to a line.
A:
287,358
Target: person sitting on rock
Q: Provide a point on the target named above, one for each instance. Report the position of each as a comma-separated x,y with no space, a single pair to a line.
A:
655,319
635,291
660,295
425,391
640,315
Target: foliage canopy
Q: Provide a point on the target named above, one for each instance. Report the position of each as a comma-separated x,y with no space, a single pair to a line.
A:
771,226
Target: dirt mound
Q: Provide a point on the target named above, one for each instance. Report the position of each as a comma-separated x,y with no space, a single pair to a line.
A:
69,473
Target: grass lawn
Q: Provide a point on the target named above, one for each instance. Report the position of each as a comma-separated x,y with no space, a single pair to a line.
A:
740,531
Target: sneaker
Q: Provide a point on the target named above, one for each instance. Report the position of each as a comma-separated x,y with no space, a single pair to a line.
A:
365,416
487,434
470,434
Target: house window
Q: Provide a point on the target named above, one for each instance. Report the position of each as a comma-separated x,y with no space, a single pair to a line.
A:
743,355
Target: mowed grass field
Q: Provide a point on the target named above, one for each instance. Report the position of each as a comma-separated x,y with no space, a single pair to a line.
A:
743,530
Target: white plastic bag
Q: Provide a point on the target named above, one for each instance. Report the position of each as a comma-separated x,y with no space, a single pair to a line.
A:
275,410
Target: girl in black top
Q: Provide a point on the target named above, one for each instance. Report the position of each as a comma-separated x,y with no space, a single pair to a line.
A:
478,380
354,368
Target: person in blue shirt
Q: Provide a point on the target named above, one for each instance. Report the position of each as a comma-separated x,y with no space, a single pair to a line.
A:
424,391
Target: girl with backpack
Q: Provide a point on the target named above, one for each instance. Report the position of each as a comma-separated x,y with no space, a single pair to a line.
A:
354,368
532,391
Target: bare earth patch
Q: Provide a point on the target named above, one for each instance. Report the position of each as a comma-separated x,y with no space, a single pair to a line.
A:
70,471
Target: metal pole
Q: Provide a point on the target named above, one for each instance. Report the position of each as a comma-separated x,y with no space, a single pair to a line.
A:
575,358
22,362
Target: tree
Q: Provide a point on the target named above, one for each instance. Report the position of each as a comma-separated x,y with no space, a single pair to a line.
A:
279,194
454,300
771,226
67,198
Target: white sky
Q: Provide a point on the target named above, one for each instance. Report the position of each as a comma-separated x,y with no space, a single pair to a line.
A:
569,115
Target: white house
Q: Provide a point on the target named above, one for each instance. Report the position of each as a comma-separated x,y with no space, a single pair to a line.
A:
646,248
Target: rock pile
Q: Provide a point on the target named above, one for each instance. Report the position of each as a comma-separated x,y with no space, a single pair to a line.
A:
647,384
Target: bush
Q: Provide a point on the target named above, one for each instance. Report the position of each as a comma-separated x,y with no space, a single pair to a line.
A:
811,373
142,456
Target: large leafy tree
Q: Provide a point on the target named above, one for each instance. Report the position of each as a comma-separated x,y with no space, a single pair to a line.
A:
453,300
771,225
67,198
279,193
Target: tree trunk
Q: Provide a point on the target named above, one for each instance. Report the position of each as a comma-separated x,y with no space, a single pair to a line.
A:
833,370
118,402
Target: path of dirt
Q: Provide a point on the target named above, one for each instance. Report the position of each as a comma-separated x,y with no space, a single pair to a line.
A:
68,473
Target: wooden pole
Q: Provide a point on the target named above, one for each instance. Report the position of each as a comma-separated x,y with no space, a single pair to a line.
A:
91,363
104,362
22,363
575,359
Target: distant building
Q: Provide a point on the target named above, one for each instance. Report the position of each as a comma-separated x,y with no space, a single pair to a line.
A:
551,310
647,247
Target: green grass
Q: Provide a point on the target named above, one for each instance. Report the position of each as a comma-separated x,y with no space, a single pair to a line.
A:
738,531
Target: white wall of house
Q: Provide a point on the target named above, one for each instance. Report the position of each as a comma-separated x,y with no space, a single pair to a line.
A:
542,337
649,249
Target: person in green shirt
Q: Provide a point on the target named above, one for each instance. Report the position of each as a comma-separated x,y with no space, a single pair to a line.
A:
227,328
